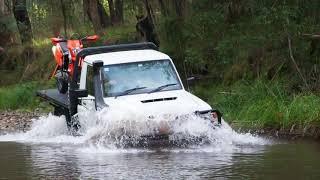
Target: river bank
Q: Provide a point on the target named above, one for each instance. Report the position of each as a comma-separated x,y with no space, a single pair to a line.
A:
295,132
15,121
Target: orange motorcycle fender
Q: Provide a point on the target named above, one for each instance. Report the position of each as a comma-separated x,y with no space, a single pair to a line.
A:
57,53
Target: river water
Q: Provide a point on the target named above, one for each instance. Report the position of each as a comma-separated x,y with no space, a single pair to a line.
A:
48,151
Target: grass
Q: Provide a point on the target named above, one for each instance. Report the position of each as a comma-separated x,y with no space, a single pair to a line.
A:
262,104
23,96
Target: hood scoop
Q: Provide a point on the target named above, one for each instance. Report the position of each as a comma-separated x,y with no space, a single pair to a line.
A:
159,99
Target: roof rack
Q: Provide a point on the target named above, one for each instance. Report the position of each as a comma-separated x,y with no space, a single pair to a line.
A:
115,48
107,49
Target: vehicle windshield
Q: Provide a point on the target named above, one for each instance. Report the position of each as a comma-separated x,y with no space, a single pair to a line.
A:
140,77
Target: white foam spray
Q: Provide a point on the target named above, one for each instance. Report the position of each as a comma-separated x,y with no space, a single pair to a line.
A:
109,129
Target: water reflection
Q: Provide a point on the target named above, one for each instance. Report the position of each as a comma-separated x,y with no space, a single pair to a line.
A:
79,162
49,161
279,161
54,162
14,164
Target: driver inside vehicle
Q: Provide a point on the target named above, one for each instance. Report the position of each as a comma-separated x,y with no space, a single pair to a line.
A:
143,77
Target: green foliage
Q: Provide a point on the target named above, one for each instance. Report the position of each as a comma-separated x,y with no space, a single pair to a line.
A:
251,44
21,96
262,104
236,43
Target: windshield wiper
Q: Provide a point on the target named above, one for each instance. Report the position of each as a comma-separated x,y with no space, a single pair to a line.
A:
162,87
128,91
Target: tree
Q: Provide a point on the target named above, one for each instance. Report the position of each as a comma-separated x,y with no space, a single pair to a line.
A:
116,11
173,7
57,21
97,14
180,7
145,25
63,8
6,30
119,10
163,7
112,11
104,17
22,19
2,7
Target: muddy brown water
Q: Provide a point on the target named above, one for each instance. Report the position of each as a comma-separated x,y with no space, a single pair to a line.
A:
280,160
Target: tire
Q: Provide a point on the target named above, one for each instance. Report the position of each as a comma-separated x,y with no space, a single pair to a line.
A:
72,123
58,111
62,85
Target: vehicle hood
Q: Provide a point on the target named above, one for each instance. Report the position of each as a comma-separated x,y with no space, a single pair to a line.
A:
165,102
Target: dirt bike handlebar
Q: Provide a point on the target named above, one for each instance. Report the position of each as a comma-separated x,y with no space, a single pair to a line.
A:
86,38
90,38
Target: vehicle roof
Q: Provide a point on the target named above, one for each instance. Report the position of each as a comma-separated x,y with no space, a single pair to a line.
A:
126,56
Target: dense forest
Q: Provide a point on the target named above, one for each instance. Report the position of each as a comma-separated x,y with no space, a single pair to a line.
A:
254,59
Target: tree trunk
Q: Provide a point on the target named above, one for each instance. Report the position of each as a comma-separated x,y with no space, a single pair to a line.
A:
149,13
112,12
180,7
2,7
22,19
145,25
236,9
163,8
5,7
91,7
104,17
56,20
119,11
63,8
6,35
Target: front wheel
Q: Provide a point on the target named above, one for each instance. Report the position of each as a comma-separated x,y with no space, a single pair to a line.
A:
62,85
62,82
72,122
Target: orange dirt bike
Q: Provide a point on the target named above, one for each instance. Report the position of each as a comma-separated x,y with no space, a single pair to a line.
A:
65,52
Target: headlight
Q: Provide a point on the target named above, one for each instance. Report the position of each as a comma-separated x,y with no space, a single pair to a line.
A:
212,115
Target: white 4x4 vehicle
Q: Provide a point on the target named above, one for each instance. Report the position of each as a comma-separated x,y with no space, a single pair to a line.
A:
132,74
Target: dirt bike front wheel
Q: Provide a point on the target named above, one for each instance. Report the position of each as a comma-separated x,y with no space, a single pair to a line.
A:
62,82
62,85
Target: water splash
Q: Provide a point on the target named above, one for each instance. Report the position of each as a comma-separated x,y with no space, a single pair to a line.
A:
110,129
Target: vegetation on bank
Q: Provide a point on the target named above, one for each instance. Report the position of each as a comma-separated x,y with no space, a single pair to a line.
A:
23,97
260,59
251,104
262,104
